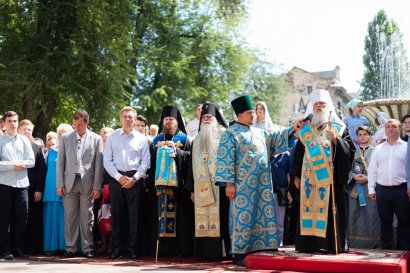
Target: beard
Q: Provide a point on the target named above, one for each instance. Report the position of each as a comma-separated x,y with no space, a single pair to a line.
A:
207,134
170,130
320,117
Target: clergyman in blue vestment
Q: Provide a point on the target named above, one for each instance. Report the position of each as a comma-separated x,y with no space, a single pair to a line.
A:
243,166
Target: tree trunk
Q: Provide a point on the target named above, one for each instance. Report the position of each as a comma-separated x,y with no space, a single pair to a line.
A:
43,120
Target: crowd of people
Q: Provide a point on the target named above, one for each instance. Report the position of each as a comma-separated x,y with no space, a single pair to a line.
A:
213,189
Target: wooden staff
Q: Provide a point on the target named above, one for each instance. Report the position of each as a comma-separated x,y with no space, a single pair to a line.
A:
156,252
159,226
332,184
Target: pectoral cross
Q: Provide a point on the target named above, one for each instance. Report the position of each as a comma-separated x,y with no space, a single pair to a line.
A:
170,206
205,158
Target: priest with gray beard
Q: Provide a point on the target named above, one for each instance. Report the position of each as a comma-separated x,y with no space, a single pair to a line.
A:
211,204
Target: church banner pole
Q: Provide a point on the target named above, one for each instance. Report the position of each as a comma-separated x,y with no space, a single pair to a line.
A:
332,184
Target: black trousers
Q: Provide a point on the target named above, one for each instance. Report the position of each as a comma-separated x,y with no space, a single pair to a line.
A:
390,201
13,216
34,229
125,209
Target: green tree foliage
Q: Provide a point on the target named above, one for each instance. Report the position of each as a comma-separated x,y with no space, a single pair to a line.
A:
263,85
57,56
100,55
385,61
188,53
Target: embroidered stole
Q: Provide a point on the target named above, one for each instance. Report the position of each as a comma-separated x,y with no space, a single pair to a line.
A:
166,182
316,179
360,158
165,168
207,222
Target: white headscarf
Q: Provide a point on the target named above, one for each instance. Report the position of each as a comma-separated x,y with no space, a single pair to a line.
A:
382,117
268,121
380,133
324,96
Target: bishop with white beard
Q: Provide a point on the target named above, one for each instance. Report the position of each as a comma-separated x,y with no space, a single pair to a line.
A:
323,143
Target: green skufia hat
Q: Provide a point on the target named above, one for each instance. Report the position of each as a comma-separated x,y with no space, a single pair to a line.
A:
242,104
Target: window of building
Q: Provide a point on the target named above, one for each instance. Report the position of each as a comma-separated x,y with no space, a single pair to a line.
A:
294,108
302,106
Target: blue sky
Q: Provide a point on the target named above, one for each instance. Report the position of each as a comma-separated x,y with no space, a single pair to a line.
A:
317,35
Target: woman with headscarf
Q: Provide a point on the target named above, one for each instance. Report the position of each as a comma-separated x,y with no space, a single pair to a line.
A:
262,119
380,134
354,119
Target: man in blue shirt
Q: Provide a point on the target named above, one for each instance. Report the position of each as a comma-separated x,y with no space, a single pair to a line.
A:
126,159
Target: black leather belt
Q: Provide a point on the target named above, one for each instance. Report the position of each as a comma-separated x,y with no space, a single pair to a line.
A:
128,173
394,186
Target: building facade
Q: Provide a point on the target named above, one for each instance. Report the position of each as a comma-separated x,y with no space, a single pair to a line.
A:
302,82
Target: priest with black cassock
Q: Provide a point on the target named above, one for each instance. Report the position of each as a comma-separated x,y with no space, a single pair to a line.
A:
212,240
323,142
173,209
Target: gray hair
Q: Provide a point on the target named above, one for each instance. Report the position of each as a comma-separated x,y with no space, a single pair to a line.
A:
64,126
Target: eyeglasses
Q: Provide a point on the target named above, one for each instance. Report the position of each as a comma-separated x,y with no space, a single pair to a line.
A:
79,143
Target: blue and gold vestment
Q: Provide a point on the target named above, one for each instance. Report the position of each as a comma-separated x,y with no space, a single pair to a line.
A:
316,179
166,182
243,159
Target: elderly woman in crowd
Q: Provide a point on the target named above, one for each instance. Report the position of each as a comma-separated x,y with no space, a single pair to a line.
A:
51,140
380,134
53,211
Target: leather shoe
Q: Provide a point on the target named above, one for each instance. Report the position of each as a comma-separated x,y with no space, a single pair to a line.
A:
239,259
90,254
116,255
132,255
8,256
68,254
20,253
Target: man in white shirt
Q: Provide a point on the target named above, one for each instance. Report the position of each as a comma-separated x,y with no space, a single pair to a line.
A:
16,156
387,182
193,126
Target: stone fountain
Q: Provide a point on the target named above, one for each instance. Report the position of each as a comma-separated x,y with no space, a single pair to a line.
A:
394,87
